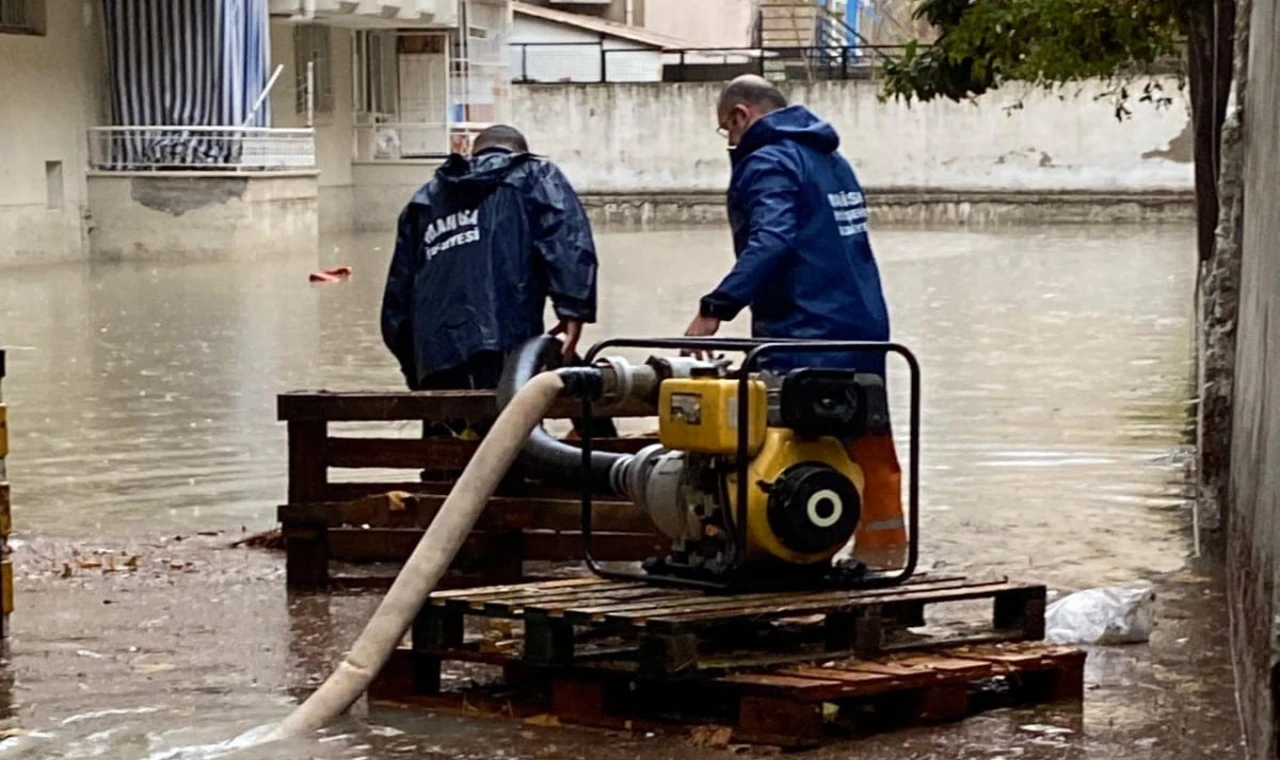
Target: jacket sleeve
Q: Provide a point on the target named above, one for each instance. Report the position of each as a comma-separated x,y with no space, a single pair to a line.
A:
397,300
771,191
564,245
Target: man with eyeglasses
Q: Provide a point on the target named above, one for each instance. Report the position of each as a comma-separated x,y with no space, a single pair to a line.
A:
805,268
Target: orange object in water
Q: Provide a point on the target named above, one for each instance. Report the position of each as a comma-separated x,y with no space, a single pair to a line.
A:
333,274
881,538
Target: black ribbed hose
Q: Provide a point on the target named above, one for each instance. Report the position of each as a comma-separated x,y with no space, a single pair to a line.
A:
544,453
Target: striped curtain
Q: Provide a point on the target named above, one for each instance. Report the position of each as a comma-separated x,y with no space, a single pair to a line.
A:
185,63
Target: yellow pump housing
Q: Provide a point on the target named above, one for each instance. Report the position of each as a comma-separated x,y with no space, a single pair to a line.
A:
700,415
782,449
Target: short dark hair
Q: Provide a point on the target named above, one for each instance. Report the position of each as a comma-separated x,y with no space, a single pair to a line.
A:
500,136
753,91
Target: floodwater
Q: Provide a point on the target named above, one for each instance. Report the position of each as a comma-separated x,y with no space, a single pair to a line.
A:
1056,365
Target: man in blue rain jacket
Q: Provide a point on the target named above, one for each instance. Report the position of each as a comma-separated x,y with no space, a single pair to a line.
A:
799,218
479,250
804,267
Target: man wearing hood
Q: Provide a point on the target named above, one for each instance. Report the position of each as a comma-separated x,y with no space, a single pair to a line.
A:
479,250
805,268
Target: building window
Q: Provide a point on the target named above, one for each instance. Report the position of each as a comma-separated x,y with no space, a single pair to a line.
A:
311,45
22,16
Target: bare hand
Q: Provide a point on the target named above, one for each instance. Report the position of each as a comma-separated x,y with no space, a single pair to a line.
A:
701,327
572,331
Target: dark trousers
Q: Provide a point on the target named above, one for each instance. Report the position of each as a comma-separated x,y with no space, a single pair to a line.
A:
481,372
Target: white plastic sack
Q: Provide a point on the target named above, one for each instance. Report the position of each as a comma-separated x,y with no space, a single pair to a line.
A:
1112,615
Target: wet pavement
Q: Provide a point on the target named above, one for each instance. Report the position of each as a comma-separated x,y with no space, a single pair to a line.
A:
1056,368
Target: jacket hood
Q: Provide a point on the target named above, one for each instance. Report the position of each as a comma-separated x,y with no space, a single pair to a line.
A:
477,174
795,123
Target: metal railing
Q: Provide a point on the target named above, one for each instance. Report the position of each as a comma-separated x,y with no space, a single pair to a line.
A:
178,148
395,141
593,62
388,141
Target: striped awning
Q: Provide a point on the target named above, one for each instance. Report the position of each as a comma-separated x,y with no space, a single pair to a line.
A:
187,63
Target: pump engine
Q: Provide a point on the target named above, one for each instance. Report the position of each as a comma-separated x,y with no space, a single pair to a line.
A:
803,492
751,477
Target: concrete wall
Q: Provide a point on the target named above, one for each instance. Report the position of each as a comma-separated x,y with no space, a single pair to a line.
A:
1254,517
161,216
50,91
661,138
382,190
334,135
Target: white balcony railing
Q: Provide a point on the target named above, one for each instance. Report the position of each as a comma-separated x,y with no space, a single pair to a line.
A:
390,141
172,148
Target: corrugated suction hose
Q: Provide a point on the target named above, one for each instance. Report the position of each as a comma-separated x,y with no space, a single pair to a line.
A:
521,416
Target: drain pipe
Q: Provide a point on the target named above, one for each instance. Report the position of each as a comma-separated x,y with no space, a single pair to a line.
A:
438,547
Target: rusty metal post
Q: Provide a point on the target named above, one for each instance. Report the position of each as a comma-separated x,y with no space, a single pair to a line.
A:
6,522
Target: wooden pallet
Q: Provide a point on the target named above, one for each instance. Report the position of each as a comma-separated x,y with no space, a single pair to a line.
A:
665,633
328,520
792,706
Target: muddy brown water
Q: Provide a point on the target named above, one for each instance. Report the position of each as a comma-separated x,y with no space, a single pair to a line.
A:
1056,365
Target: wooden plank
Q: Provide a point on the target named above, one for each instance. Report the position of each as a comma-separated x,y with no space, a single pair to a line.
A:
849,682
948,666
443,454
502,513
768,719
514,604
394,406
307,473
492,592
306,556
6,513
569,609
396,544
788,683
822,603
718,602
340,491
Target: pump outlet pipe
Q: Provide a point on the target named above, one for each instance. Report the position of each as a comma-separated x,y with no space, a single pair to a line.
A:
545,454
441,543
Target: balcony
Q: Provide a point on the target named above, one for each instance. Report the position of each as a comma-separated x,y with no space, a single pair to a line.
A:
225,149
369,14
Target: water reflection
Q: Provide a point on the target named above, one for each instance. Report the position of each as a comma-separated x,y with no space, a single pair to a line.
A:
1056,365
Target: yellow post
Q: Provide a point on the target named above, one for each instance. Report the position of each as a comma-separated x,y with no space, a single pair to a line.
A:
6,521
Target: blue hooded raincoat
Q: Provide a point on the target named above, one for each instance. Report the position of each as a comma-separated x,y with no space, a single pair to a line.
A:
804,261
478,251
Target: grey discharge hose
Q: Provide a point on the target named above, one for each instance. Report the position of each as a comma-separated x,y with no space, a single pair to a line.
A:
430,560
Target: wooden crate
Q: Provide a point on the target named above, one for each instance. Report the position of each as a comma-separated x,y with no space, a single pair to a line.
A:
326,520
608,654
660,633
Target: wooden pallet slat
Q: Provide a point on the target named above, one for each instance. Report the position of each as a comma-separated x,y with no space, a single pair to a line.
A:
784,706
444,454
643,613
396,406
502,513
823,603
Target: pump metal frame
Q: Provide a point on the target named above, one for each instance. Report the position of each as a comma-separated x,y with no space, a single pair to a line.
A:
735,579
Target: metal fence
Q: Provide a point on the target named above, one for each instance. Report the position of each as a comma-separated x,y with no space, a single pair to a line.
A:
595,62
176,148
394,141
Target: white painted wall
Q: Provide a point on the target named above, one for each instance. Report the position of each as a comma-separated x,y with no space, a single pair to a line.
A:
564,53
716,23
50,93
662,138
334,136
